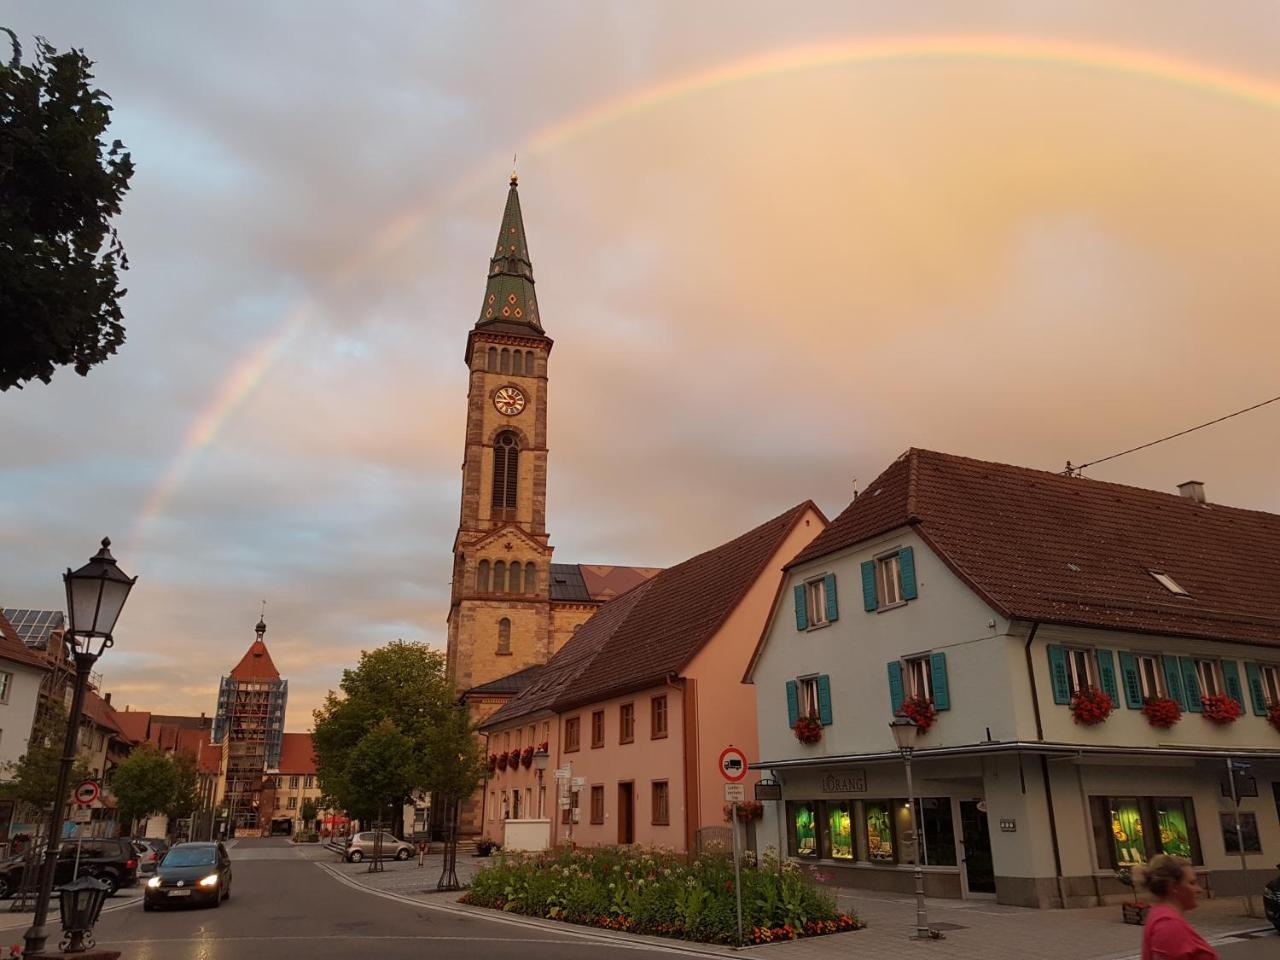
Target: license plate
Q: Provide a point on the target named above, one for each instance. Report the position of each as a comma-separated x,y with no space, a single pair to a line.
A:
179,893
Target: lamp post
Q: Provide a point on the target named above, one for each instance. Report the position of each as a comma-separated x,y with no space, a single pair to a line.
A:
904,731
95,596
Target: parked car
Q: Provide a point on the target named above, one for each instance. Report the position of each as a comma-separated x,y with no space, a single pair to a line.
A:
190,873
113,860
363,845
151,853
1271,900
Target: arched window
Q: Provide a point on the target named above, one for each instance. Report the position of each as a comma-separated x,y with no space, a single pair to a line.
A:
530,578
504,635
529,368
499,577
513,578
517,362
482,577
506,471
506,360
492,363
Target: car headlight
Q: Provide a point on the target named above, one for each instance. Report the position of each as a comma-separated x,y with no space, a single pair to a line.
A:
153,882
210,881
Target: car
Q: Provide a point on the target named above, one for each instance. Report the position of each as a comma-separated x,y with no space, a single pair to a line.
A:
1271,901
364,845
113,860
190,873
151,852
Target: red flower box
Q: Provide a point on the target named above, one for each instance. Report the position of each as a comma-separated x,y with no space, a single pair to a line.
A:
526,758
513,758
493,762
1161,712
1273,716
1221,709
747,810
1090,706
808,729
502,761
920,711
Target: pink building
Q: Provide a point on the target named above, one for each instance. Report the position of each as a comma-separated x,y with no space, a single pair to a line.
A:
638,705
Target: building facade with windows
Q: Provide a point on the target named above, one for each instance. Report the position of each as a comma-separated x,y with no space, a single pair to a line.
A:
1086,662
639,704
22,671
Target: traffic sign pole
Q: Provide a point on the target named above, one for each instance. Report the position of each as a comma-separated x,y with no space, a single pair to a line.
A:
737,867
1244,861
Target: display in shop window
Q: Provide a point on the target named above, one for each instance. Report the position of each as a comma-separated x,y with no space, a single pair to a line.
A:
840,829
1175,838
879,833
806,830
1126,831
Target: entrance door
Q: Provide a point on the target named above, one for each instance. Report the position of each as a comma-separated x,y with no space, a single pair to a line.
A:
979,871
626,813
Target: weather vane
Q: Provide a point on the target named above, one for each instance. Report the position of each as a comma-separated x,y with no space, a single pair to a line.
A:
514,177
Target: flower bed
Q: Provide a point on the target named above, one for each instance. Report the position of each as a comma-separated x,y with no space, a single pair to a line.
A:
658,893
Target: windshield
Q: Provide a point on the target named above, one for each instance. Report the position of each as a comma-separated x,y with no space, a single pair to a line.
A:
188,856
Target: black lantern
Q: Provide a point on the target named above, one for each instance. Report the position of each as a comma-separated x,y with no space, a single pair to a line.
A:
95,596
80,902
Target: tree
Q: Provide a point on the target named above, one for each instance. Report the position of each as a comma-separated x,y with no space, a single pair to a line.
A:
34,777
308,811
456,767
144,784
60,185
184,797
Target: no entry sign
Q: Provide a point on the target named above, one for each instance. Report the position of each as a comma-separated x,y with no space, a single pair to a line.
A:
733,764
86,792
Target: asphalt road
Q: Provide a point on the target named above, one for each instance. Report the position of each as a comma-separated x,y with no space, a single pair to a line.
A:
282,905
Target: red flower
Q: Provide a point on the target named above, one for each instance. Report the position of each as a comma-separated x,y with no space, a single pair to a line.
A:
1161,712
1090,706
513,758
526,758
1273,716
543,747
808,729
493,762
747,810
920,711
1220,708
502,761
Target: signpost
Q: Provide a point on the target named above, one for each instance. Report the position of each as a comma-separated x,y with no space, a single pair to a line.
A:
733,767
1234,767
87,791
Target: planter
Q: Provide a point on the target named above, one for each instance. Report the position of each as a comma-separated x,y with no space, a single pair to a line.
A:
526,758
1135,913
1090,706
1221,709
1273,716
1161,712
808,730
502,761
919,711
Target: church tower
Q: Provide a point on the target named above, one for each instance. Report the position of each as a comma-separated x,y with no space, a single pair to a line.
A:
500,607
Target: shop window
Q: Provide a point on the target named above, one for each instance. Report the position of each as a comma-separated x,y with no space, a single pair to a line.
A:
1207,675
626,723
1079,669
1128,831
597,804
1148,675
937,831
840,829
597,729
881,847
804,834
1248,832
571,730
920,678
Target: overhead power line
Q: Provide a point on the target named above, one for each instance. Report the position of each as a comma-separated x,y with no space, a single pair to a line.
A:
1072,470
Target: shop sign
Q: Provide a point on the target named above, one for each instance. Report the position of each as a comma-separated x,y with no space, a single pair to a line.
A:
851,781
768,790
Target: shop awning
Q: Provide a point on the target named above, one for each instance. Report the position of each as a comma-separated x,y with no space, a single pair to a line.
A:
1017,746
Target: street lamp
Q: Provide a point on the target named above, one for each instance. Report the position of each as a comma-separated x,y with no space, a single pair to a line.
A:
904,731
95,596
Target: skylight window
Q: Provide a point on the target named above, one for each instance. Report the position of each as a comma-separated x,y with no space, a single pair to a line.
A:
1169,583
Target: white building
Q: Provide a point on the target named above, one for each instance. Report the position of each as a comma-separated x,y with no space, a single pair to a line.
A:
1002,598
21,671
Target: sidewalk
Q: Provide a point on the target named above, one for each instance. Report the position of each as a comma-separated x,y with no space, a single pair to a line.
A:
400,877
20,920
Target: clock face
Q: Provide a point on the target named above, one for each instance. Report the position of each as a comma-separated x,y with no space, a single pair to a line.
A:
509,401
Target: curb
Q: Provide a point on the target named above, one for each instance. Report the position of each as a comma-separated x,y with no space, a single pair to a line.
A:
553,926
124,904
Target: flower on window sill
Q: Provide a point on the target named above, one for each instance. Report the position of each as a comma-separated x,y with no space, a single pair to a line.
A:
501,761
808,729
1273,715
493,762
526,758
544,747
1220,708
1090,706
1161,712
920,711
513,759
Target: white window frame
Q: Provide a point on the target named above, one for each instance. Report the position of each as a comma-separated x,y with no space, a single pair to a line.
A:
1209,678
1170,584
815,601
807,696
918,677
889,580
1078,659
1139,662
1269,676
6,684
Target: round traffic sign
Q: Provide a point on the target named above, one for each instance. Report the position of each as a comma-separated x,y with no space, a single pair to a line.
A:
87,792
733,764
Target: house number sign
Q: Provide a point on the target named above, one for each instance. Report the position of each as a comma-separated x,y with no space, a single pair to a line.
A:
852,781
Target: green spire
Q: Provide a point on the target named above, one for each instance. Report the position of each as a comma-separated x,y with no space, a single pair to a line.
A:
508,297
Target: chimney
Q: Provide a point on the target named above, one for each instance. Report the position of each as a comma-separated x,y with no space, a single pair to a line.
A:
107,699
1192,490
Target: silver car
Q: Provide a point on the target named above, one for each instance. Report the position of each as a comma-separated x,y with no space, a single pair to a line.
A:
363,845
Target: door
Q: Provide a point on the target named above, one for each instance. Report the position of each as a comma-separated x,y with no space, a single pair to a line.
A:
979,870
626,813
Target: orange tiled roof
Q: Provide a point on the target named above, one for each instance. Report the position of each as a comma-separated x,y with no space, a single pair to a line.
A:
297,754
134,724
256,664
209,758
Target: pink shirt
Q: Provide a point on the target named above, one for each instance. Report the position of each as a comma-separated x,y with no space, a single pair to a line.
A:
1167,936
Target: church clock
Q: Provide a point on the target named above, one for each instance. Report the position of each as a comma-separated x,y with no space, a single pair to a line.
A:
509,401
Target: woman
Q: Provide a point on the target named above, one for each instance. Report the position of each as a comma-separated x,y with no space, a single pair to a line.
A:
1167,935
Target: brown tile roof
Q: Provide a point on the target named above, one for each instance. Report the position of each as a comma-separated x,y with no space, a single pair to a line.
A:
297,755
1042,546
511,684
134,724
13,649
256,664
101,712
605,581
209,759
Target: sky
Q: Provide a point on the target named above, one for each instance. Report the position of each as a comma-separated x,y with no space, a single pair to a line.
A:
776,246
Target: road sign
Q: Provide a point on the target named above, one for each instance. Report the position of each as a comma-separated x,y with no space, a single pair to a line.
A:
87,791
768,790
82,814
733,764
579,782
563,773
1240,765
564,803
735,792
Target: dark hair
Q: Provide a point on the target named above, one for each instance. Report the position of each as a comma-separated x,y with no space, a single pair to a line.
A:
1162,874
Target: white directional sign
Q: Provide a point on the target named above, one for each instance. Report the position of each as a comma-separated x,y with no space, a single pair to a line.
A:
563,773
579,782
82,814
735,792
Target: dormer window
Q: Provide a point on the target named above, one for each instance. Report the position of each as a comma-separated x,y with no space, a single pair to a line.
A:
1169,583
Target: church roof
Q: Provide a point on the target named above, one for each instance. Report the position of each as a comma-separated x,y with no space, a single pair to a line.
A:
595,582
512,683
509,299
256,664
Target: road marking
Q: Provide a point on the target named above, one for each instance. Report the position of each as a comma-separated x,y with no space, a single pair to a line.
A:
359,938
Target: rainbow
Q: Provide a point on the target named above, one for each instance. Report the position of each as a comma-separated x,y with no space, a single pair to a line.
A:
249,372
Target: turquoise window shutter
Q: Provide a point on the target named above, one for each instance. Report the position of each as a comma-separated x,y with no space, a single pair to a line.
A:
1173,680
1253,676
869,586
941,689
1058,675
1231,678
907,567
833,607
1190,685
793,703
896,691
802,612
824,700
1132,682
1107,676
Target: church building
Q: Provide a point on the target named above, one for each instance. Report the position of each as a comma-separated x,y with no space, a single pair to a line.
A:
511,608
